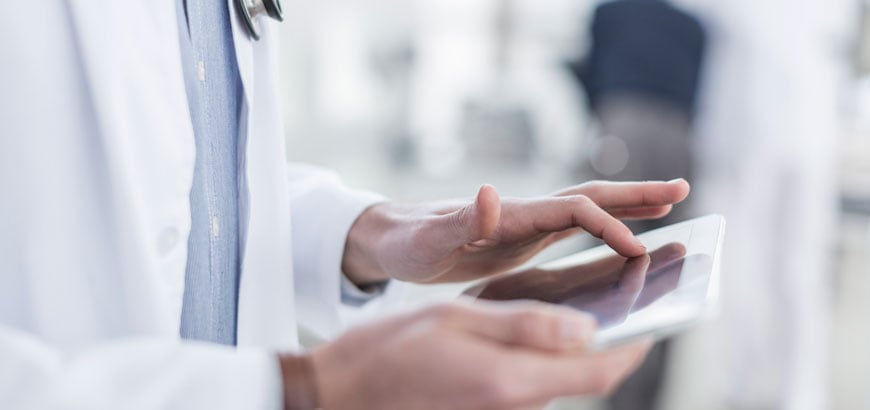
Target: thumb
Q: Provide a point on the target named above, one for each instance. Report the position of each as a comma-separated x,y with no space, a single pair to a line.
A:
532,325
473,222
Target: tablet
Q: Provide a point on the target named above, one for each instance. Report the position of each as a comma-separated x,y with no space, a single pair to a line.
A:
673,286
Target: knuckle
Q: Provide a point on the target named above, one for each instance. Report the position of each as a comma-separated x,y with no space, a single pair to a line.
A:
592,188
583,201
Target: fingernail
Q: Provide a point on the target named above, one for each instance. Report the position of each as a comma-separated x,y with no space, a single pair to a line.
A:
676,180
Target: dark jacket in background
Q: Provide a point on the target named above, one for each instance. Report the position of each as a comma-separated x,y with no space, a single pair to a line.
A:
643,47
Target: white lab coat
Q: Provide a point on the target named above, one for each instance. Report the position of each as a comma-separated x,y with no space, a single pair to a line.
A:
96,165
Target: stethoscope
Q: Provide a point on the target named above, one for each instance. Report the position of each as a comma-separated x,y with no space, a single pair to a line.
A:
252,9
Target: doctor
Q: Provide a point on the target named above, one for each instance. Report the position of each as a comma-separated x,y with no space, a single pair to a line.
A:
148,259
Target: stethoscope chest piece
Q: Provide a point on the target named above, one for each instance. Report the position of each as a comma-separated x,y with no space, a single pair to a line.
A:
251,10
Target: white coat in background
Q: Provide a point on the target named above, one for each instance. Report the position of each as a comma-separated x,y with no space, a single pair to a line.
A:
96,166
767,148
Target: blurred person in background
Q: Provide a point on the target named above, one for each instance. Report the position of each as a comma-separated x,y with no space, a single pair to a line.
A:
146,257
765,154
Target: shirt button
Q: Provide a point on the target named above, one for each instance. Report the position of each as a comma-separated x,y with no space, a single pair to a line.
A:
167,240
215,227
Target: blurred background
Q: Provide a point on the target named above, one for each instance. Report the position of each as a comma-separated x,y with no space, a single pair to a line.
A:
763,105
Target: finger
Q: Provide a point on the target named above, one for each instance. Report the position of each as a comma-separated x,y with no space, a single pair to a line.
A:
646,212
586,373
469,223
559,214
605,371
631,194
527,324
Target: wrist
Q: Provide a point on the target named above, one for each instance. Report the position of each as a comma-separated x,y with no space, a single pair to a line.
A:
299,382
360,261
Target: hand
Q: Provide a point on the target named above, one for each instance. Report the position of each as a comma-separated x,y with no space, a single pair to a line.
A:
444,242
503,355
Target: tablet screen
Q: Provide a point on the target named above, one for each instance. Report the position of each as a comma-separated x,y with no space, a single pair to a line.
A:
610,288
654,294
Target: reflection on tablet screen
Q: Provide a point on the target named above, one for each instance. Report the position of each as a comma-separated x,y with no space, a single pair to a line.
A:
609,288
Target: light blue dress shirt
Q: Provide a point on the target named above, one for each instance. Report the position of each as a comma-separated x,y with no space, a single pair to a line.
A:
214,87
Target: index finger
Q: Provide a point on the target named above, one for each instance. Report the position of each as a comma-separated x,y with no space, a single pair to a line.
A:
542,377
526,324
631,194
559,214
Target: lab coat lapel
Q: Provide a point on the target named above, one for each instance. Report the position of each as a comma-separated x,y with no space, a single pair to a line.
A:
137,88
135,74
266,316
